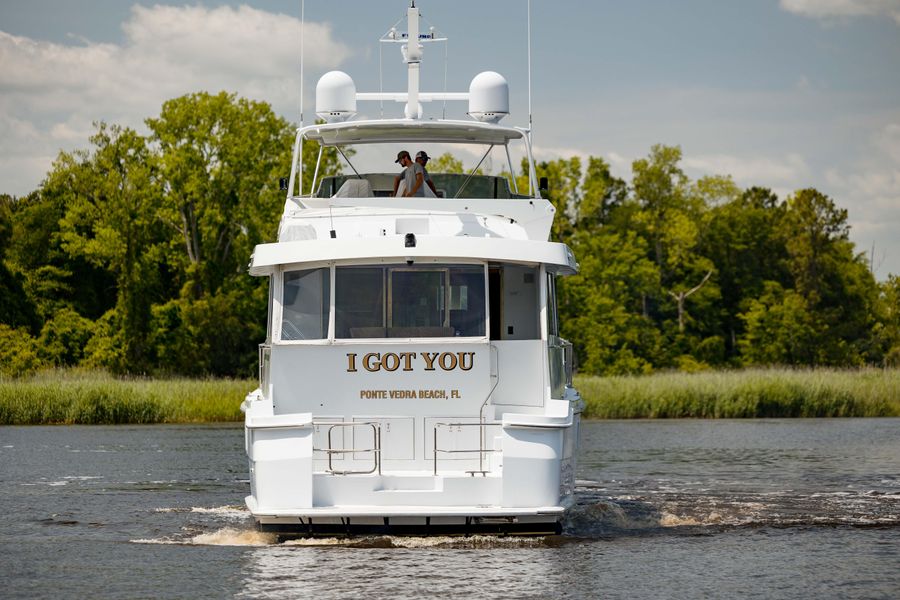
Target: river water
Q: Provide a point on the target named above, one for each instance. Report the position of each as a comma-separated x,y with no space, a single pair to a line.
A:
666,509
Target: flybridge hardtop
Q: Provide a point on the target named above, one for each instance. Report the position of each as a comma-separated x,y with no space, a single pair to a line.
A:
408,130
413,379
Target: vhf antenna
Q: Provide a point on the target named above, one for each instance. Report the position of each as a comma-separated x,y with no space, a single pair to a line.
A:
530,124
302,38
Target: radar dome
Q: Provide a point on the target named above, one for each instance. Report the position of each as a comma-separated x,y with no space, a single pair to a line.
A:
488,97
335,97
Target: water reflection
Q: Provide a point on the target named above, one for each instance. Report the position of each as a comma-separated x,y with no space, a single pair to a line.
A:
517,568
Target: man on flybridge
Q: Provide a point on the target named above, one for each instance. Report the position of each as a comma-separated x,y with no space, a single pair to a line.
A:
422,158
413,176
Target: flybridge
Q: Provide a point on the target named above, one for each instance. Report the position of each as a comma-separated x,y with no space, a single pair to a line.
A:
336,104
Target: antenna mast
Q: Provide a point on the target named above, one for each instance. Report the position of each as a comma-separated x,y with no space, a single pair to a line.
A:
413,56
302,38
529,71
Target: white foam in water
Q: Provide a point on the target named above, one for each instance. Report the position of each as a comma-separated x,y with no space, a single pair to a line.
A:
237,513
317,542
601,516
414,542
163,541
472,542
670,520
50,483
228,512
229,536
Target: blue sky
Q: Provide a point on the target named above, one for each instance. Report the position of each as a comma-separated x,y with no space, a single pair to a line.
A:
780,93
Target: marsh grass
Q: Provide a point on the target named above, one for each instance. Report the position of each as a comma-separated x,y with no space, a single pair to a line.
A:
95,397
744,394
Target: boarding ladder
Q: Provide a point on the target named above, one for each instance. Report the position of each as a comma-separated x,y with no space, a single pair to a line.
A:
331,451
481,450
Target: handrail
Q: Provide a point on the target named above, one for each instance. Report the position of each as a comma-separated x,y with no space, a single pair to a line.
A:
484,404
375,450
265,355
481,450
569,360
472,172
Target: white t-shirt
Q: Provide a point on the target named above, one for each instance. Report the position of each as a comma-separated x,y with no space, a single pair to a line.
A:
409,179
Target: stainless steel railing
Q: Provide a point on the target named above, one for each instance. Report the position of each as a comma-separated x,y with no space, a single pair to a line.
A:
561,357
481,450
569,357
265,356
375,450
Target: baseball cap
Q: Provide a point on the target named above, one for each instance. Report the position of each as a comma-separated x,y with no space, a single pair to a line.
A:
402,154
422,154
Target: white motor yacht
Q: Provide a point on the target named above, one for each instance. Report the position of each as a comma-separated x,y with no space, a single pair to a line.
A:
413,380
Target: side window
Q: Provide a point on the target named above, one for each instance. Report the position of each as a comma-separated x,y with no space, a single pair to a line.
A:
305,304
466,302
271,284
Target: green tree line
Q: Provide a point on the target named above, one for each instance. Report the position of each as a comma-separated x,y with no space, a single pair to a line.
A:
131,256
690,275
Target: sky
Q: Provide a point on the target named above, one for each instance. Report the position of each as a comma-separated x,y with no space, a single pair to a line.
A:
785,94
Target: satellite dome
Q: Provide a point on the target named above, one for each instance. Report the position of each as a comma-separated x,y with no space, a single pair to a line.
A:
335,97
488,97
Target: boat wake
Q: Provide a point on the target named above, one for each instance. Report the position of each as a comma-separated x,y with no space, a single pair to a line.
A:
233,513
596,515
599,514
226,536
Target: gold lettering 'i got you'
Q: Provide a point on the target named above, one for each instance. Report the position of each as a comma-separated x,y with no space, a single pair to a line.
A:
405,361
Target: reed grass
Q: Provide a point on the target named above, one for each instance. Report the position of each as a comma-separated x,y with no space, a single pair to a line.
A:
95,397
752,393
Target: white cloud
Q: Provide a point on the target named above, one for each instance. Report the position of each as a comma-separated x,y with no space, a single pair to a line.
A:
790,170
870,188
888,141
829,9
51,93
542,152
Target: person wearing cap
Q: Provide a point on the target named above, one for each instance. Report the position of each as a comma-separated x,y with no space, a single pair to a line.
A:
413,176
422,158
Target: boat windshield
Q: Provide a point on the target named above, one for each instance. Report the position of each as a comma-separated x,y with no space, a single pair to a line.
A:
447,185
409,301
464,160
385,301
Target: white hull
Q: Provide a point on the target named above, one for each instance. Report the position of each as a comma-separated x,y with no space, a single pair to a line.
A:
524,485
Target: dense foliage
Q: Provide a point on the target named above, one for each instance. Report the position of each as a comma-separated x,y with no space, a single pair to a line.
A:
689,275
132,256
